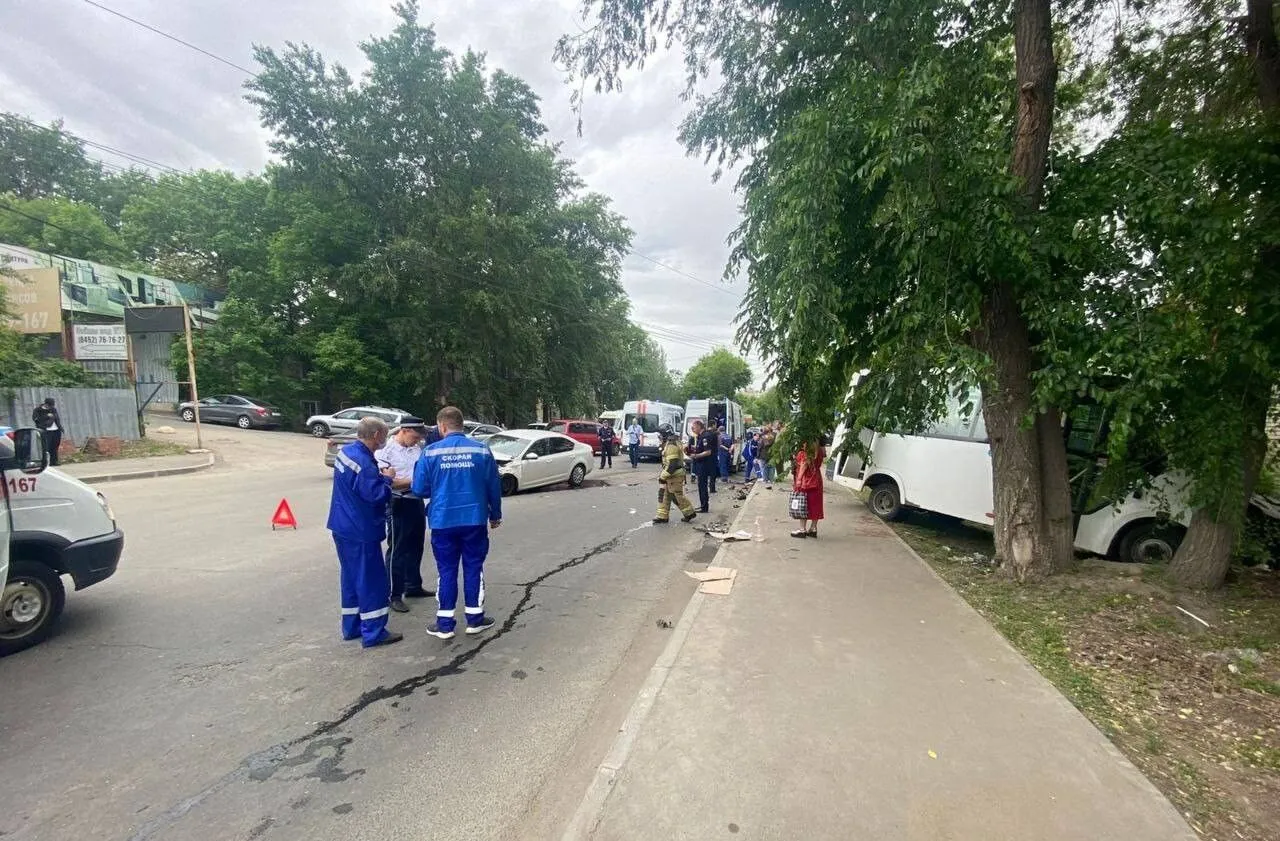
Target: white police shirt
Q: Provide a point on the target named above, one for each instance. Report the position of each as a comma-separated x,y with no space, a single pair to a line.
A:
402,458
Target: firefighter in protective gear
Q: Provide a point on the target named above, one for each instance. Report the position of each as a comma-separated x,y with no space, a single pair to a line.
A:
672,477
357,518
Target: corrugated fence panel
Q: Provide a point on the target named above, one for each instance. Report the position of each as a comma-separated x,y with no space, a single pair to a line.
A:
86,412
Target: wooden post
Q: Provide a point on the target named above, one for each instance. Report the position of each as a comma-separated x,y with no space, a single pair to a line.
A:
191,372
131,374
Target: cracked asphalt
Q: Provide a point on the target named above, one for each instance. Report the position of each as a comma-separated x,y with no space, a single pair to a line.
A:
204,692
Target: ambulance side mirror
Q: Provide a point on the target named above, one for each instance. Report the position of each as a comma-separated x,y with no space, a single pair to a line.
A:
28,450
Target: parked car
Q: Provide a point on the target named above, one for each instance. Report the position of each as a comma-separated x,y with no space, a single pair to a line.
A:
585,431
480,431
322,426
538,425
534,458
244,412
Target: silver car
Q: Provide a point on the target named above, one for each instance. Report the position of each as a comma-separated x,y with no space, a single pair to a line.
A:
322,426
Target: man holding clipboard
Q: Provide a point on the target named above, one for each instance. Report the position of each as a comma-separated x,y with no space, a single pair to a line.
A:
406,515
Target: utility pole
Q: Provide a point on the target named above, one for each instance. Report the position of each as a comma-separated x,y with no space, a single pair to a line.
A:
191,372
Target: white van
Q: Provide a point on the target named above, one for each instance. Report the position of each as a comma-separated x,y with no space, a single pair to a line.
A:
52,525
722,411
946,469
650,414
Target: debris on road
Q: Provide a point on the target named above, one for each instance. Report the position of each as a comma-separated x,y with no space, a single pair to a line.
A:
730,538
666,624
716,581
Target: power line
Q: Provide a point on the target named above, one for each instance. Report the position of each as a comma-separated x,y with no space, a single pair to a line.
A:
173,38
682,273
251,74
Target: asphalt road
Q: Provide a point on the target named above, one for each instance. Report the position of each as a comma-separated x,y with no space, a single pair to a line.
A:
204,693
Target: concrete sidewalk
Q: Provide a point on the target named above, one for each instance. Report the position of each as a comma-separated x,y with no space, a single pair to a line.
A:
843,691
115,470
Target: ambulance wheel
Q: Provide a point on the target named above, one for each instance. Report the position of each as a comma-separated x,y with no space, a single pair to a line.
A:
29,606
885,501
319,430
244,422
189,415
509,485
578,476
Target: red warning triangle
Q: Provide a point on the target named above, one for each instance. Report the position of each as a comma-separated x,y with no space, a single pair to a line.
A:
283,516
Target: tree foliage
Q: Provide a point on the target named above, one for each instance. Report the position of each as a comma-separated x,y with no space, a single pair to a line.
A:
419,242
957,193
720,373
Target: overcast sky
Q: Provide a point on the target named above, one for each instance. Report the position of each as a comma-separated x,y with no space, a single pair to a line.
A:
120,85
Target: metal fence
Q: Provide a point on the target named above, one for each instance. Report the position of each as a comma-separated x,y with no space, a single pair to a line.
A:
86,412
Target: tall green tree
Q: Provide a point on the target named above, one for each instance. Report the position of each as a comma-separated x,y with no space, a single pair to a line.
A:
894,192
40,162
720,373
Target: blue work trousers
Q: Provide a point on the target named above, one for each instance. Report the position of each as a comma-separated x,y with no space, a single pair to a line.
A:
466,546
365,602
407,521
723,458
634,451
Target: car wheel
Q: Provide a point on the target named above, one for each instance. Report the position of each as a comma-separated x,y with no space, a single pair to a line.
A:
886,501
244,422
509,485
319,430
577,477
29,606
189,415
1151,542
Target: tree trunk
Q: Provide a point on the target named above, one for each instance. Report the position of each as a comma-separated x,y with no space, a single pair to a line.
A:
1264,49
1059,523
1021,541
1204,557
1032,498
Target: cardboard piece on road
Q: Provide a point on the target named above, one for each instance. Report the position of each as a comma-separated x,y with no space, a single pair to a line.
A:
728,537
283,516
716,581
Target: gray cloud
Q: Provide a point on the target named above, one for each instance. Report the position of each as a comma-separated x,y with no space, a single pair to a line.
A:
128,88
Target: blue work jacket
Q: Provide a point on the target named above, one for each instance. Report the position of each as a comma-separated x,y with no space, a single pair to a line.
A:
358,506
460,477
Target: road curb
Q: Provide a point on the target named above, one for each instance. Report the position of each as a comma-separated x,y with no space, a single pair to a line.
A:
103,478
591,809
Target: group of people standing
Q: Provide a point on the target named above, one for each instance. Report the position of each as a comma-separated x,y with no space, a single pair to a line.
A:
424,477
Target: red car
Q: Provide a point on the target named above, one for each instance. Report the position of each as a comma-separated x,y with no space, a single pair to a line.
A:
584,431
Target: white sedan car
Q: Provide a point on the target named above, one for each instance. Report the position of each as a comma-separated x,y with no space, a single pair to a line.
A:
533,458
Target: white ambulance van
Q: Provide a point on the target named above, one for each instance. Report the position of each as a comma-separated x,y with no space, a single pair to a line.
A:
52,526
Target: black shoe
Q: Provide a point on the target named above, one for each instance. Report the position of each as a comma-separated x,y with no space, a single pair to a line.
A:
688,518
658,521
390,638
480,627
419,594
435,631
800,534
399,606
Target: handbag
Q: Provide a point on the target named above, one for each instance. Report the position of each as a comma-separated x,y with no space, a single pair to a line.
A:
799,505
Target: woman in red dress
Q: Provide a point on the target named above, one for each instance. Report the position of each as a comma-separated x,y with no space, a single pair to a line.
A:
807,479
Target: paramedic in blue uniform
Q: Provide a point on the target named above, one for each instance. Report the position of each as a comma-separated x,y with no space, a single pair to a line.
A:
460,477
358,520
406,514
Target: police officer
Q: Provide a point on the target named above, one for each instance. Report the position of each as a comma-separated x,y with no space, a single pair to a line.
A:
460,476
672,477
406,516
702,452
357,518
